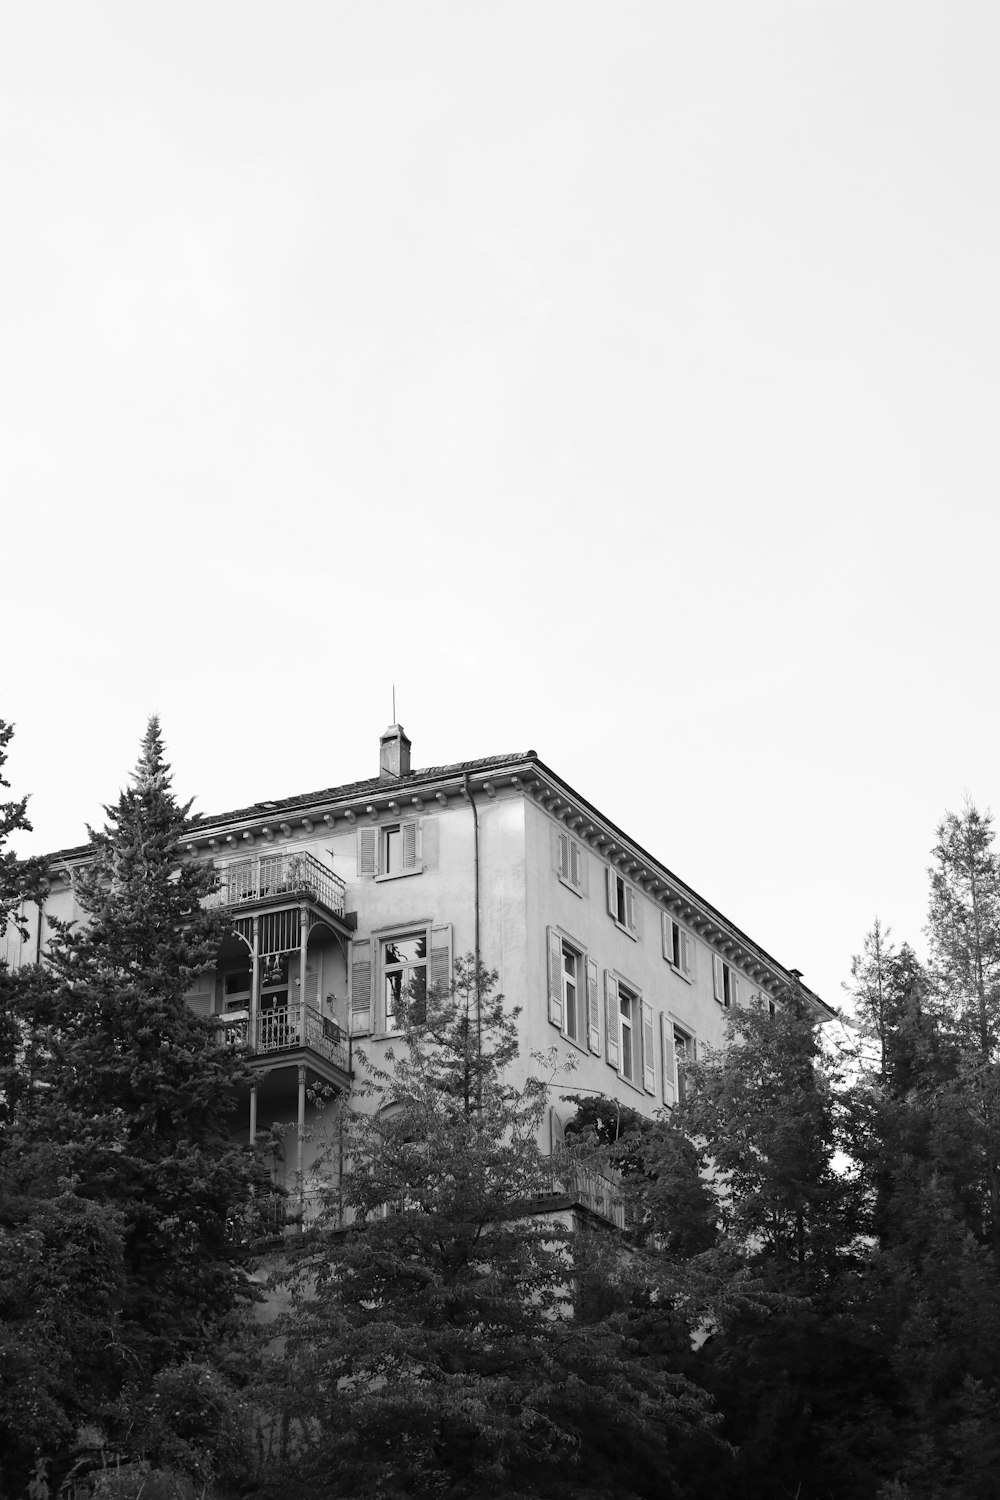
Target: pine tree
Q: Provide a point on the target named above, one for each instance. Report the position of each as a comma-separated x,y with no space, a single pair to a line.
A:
964,933
136,1092
438,1346
18,877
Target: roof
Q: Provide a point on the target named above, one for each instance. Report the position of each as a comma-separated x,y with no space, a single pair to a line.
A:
360,788
380,785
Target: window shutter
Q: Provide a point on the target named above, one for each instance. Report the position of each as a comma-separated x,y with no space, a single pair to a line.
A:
410,832
562,853
687,954
593,1008
555,978
648,1050
667,935
441,958
734,988
361,986
200,997
718,983
629,908
612,892
312,987
574,863
367,851
668,1060
557,1132
611,1018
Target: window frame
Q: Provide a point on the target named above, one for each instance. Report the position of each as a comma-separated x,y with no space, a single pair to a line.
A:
672,1032
399,935
570,853
373,849
642,1034
588,1038
725,983
678,947
623,897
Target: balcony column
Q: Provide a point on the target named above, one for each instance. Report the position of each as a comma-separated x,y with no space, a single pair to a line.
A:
300,1146
255,986
253,1113
303,944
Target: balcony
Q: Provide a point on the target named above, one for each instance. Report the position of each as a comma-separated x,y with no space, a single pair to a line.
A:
588,1188
269,879
286,1029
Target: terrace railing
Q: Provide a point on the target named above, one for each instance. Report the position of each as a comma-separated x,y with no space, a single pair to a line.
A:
266,876
285,1029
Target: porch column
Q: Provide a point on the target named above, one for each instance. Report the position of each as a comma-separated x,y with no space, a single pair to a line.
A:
303,945
255,985
300,1145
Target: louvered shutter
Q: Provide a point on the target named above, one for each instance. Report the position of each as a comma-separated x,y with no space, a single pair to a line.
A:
630,904
593,1008
441,958
367,851
200,997
312,986
668,1061
555,978
574,863
687,953
612,892
361,986
411,844
667,935
557,1132
734,988
562,848
718,982
611,1018
648,1050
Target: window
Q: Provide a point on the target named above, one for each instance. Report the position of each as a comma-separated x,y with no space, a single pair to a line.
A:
678,947
571,862
622,903
725,984
393,969
573,992
237,985
684,1054
627,1003
390,851
679,1051
404,978
629,1033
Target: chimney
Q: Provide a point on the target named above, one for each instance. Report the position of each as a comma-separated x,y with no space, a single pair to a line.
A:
394,754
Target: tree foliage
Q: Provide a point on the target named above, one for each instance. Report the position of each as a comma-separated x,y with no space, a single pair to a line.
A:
440,1346
118,1174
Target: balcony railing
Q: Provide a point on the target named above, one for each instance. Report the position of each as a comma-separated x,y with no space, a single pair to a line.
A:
285,1029
266,876
588,1188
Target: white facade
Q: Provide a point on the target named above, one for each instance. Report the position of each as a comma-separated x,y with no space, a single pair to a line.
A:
341,897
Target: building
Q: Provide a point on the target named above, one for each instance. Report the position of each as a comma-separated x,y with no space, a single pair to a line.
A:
342,898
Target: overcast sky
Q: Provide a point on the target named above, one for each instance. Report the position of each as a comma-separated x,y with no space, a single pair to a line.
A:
618,380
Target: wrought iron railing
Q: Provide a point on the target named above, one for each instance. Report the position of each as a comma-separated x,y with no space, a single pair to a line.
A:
285,1028
264,1218
281,873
